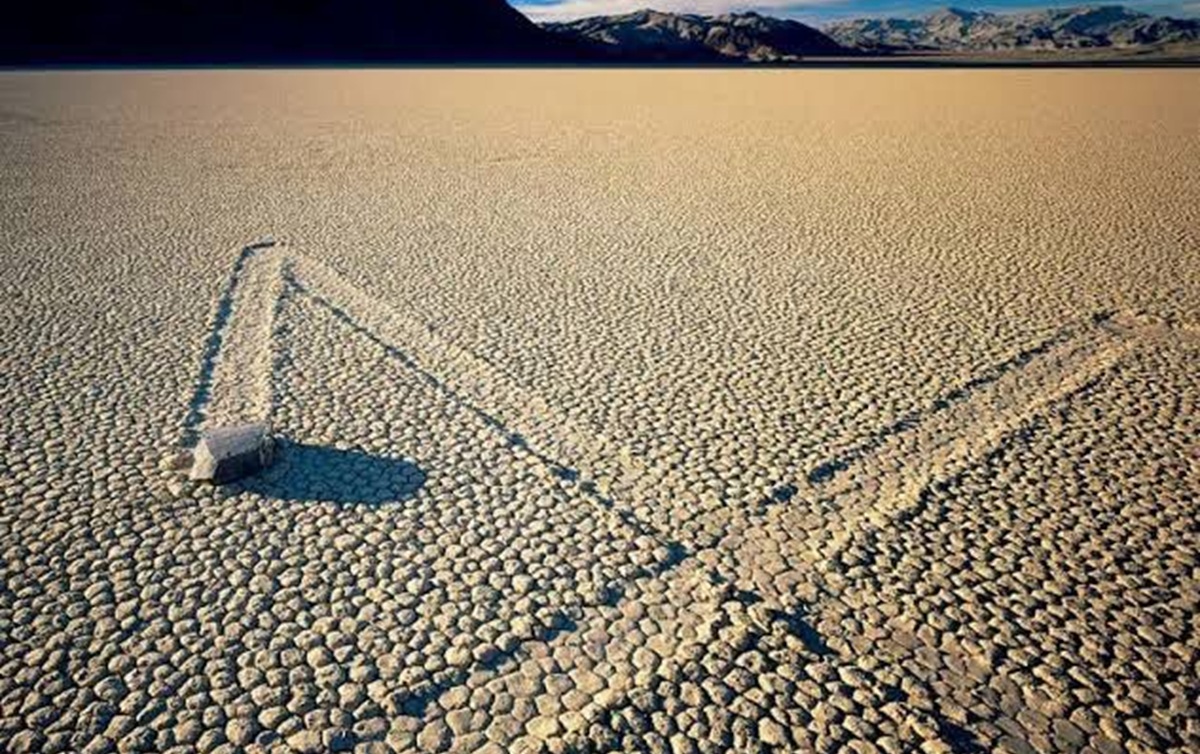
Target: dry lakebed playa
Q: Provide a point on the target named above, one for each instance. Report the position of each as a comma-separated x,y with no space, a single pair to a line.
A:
617,410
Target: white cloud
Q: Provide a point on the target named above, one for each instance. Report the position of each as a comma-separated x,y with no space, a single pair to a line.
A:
568,9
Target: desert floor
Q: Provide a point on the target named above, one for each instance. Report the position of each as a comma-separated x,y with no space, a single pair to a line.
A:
675,411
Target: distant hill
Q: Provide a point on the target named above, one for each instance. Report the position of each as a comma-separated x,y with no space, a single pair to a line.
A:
275,31
651,36
316,32
1056,29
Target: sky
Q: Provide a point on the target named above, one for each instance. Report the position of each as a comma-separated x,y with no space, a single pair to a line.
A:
816,11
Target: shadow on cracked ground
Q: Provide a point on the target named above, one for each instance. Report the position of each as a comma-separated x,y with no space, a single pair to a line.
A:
316,473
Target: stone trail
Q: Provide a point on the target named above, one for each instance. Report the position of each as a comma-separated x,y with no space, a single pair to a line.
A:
722,602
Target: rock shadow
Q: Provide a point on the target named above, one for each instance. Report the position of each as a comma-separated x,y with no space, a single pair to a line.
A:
316,473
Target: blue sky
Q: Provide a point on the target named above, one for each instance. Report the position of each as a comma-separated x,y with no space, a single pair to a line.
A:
819,10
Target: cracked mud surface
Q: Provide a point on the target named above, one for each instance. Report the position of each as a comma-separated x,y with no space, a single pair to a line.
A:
621,411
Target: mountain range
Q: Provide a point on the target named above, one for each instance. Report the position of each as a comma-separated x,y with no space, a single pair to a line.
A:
649,35
754,38
1055,29
317,32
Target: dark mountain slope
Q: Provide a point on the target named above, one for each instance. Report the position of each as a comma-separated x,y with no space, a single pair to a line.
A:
649,35
276,31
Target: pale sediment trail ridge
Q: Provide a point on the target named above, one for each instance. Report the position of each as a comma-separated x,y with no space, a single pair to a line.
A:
238,369
563,450
826,471
241,345
471,376
1076,365
233,299
907,454
564,473
236,344
970,420
995,405
266,272
893,478
237,364
948,445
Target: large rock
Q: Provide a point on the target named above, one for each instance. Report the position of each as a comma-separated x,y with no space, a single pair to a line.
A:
226,454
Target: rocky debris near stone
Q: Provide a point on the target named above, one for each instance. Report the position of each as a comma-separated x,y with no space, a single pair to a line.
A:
227,454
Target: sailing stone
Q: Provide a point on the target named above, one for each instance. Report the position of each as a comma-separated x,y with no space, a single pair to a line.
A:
226,454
